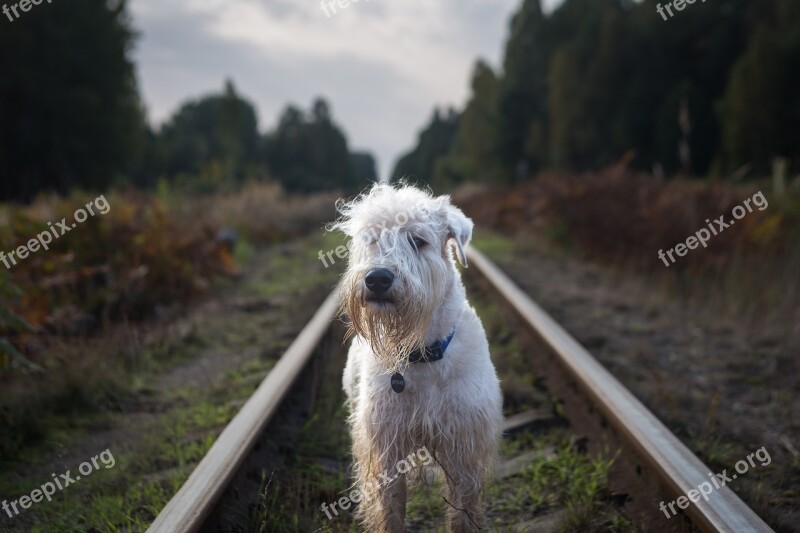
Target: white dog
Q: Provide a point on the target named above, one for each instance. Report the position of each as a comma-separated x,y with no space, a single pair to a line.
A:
418,373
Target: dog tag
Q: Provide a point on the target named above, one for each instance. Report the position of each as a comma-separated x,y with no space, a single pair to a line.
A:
398,383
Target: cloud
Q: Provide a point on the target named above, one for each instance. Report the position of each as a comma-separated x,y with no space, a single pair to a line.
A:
382,64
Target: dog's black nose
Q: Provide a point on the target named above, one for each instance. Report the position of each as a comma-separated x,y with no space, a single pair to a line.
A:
379,280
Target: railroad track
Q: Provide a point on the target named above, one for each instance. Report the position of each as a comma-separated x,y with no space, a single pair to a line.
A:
564,410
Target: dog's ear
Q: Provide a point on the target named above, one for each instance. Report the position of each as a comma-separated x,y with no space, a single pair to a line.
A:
460,230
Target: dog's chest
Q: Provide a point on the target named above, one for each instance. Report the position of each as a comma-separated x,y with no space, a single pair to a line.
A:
427,394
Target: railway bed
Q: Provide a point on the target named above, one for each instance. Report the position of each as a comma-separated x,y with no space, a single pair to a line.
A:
580,452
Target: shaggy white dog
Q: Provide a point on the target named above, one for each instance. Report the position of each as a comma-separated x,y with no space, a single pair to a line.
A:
418,373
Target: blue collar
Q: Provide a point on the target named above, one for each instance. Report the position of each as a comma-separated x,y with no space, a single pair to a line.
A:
434,352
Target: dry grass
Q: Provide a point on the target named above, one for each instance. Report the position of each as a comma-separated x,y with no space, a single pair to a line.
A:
265,213
619,214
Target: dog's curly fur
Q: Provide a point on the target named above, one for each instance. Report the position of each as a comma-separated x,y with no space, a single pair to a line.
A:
452,407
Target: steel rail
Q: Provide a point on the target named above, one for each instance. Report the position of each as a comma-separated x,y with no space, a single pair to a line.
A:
677,466
195,500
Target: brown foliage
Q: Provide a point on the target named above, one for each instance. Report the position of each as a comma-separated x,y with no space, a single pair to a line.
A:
619,214
146,251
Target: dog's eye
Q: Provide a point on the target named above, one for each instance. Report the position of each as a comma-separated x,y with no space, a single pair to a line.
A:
417,242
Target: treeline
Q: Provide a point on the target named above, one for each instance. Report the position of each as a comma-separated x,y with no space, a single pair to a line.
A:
214,143
713,90
71,117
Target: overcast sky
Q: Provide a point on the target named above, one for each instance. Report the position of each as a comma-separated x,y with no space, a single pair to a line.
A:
381,64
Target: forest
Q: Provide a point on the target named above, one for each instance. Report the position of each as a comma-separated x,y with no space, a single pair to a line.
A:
77,121
716,94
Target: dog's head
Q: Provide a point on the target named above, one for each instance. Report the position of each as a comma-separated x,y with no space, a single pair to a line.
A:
401,264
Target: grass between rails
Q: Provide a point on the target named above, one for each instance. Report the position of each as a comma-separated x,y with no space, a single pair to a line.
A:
315,471
567,481
174,407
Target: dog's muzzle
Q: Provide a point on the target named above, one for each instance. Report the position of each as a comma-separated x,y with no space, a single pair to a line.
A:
378,281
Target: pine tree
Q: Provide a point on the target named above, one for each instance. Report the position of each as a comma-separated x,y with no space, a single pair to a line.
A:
70,113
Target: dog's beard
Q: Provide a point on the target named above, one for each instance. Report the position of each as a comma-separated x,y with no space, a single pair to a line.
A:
393,330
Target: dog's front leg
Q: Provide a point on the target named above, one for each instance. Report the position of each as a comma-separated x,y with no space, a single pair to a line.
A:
384,505
466,477
465,509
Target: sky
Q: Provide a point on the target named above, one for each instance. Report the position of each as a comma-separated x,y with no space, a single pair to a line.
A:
382,65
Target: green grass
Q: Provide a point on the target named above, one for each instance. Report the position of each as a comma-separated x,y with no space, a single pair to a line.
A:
493,244
124,497
571,479
289,283
291,498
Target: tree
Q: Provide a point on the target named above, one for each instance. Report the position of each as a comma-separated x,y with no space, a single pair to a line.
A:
215,133
523,91
473,154
598,79
309,154
760,111
69,108
433,143
364,168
